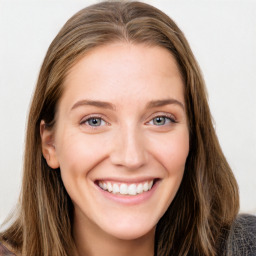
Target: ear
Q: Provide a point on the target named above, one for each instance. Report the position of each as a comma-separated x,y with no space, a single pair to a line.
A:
48,147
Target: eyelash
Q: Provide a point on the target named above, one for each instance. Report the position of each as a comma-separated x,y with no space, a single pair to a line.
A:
170,117
85,121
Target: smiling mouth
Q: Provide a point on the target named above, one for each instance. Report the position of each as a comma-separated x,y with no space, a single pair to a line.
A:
130,189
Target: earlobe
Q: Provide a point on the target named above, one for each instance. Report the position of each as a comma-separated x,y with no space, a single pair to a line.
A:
48,147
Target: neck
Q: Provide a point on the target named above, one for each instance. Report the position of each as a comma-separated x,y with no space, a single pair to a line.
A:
90,240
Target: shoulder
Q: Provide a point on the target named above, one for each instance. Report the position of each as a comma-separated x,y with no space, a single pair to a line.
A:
242,239
4,251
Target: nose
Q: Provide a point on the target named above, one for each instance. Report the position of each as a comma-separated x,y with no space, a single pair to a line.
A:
129,149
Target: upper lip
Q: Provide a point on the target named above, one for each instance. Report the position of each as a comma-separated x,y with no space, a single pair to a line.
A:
126,180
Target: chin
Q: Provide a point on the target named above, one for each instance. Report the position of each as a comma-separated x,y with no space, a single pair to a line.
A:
131,233
129,230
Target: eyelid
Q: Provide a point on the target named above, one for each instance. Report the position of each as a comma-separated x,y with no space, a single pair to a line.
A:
91,116
163,114
158,114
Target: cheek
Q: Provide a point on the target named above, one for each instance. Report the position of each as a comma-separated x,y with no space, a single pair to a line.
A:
78,153
172,151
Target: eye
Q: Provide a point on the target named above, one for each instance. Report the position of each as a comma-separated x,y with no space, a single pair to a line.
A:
162,120
94,121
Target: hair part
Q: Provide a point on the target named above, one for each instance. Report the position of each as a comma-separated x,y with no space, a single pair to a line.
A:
207,200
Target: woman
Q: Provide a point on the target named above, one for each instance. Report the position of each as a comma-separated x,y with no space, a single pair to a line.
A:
121,154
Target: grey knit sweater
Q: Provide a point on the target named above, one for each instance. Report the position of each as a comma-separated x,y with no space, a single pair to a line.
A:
242,237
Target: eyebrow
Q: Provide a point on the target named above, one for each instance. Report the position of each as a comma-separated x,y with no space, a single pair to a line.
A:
160,103
103,104
96,103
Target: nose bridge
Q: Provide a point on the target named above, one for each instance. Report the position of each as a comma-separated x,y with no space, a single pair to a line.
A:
129,147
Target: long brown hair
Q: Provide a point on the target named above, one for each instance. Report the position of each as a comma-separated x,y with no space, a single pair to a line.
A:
207,201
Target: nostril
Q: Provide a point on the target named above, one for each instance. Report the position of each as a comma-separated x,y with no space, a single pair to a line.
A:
129,151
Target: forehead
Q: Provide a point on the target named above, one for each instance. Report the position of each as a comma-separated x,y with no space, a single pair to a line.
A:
141,56
125,70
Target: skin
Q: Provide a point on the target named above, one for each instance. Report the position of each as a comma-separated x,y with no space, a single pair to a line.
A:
129,144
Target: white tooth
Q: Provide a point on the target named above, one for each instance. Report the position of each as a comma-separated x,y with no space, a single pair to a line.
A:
115,188
139,189
145,186
123,189
109,187
100,185
150,184
132,189
105,186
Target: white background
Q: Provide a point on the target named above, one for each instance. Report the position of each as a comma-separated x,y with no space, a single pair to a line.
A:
222,35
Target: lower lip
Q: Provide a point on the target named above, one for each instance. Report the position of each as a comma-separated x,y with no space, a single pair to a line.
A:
130,200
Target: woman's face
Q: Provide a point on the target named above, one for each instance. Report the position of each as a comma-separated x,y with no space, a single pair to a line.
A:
121,138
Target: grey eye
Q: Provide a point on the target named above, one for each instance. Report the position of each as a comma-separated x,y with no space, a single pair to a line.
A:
94,121
160,120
